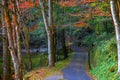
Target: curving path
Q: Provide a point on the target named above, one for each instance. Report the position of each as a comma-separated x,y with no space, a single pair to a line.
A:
76,70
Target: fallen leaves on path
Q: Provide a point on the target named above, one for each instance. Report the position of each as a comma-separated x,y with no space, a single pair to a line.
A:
37,74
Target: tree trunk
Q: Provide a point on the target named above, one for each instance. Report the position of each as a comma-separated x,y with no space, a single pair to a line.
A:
55,43
6,54
26,42
26,37
14,55
50,32
64,44
115,15
52,28
17,31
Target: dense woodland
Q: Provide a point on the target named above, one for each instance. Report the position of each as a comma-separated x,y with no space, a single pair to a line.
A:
38,34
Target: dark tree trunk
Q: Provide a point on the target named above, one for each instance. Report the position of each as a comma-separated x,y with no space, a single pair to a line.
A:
64,44
105,25
55,43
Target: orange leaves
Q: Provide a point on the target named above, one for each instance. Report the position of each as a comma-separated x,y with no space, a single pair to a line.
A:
70,3
87,1
38,74
34,27
26,4
80,24
99,12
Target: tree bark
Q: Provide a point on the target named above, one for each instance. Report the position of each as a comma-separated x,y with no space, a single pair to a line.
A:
115,15
64,44
52,29
14,55
26,38
49,30
17,31
6,54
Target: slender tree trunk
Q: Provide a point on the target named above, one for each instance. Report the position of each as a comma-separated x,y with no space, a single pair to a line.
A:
64,44
17,30
115,14
26,38
52,28
50,31
6,54
106,27
55,43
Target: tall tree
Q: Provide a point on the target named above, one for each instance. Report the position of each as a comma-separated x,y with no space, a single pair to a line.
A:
16,55
26,37
115,10
50,30
6,54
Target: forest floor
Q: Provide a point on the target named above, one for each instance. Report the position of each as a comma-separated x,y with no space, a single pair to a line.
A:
76,69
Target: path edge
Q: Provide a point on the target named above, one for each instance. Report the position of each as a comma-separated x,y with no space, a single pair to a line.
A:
87,68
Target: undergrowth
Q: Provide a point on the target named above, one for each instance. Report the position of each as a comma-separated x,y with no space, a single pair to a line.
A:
103,56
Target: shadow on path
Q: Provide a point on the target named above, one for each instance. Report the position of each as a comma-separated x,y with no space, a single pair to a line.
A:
76,70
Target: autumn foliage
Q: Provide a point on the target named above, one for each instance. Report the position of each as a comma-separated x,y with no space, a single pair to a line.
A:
26,4
72,3
85,13
80,24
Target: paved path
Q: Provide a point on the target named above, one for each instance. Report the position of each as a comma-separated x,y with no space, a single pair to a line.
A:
76,70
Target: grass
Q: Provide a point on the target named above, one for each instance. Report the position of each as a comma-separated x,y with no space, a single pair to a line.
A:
106,71
43,72
39,63
38,60
105,60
